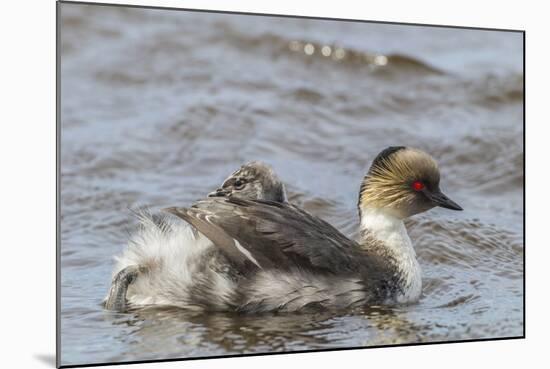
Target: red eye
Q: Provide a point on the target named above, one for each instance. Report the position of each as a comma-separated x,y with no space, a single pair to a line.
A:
417,186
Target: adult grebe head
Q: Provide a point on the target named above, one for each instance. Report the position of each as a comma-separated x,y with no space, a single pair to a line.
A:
403,181
254,180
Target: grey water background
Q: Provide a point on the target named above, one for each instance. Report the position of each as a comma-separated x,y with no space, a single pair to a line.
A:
158,107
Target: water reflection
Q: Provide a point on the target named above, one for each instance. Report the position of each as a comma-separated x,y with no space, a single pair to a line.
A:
234,333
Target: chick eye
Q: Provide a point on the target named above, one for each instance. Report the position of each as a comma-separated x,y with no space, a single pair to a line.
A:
417,185
239,184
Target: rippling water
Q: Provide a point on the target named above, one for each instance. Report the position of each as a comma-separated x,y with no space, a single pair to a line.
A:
158,107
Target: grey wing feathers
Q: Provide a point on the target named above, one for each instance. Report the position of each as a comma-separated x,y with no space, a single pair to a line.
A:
202,221
264,234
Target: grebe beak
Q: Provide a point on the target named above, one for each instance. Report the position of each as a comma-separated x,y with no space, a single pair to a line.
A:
220,192
440,199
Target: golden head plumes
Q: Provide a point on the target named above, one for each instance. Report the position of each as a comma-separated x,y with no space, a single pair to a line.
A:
404,181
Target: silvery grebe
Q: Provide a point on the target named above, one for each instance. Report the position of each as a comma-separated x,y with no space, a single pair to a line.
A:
285,259
165,254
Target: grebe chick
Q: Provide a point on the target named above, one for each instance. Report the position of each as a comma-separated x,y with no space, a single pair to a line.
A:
290,260
255,181
166,254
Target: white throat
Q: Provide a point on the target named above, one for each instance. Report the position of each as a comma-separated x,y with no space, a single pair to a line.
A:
394,241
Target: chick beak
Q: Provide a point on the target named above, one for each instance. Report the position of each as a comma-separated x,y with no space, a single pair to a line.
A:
440,199
220,192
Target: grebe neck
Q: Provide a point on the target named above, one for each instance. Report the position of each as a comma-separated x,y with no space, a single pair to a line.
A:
385,234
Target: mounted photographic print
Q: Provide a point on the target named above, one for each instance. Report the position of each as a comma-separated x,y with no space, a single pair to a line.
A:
242,184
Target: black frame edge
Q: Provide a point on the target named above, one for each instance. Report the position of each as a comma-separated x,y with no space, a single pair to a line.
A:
290,16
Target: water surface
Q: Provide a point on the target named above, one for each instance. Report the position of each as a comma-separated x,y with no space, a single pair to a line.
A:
158,107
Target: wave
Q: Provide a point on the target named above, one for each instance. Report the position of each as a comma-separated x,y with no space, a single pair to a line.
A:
336,54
